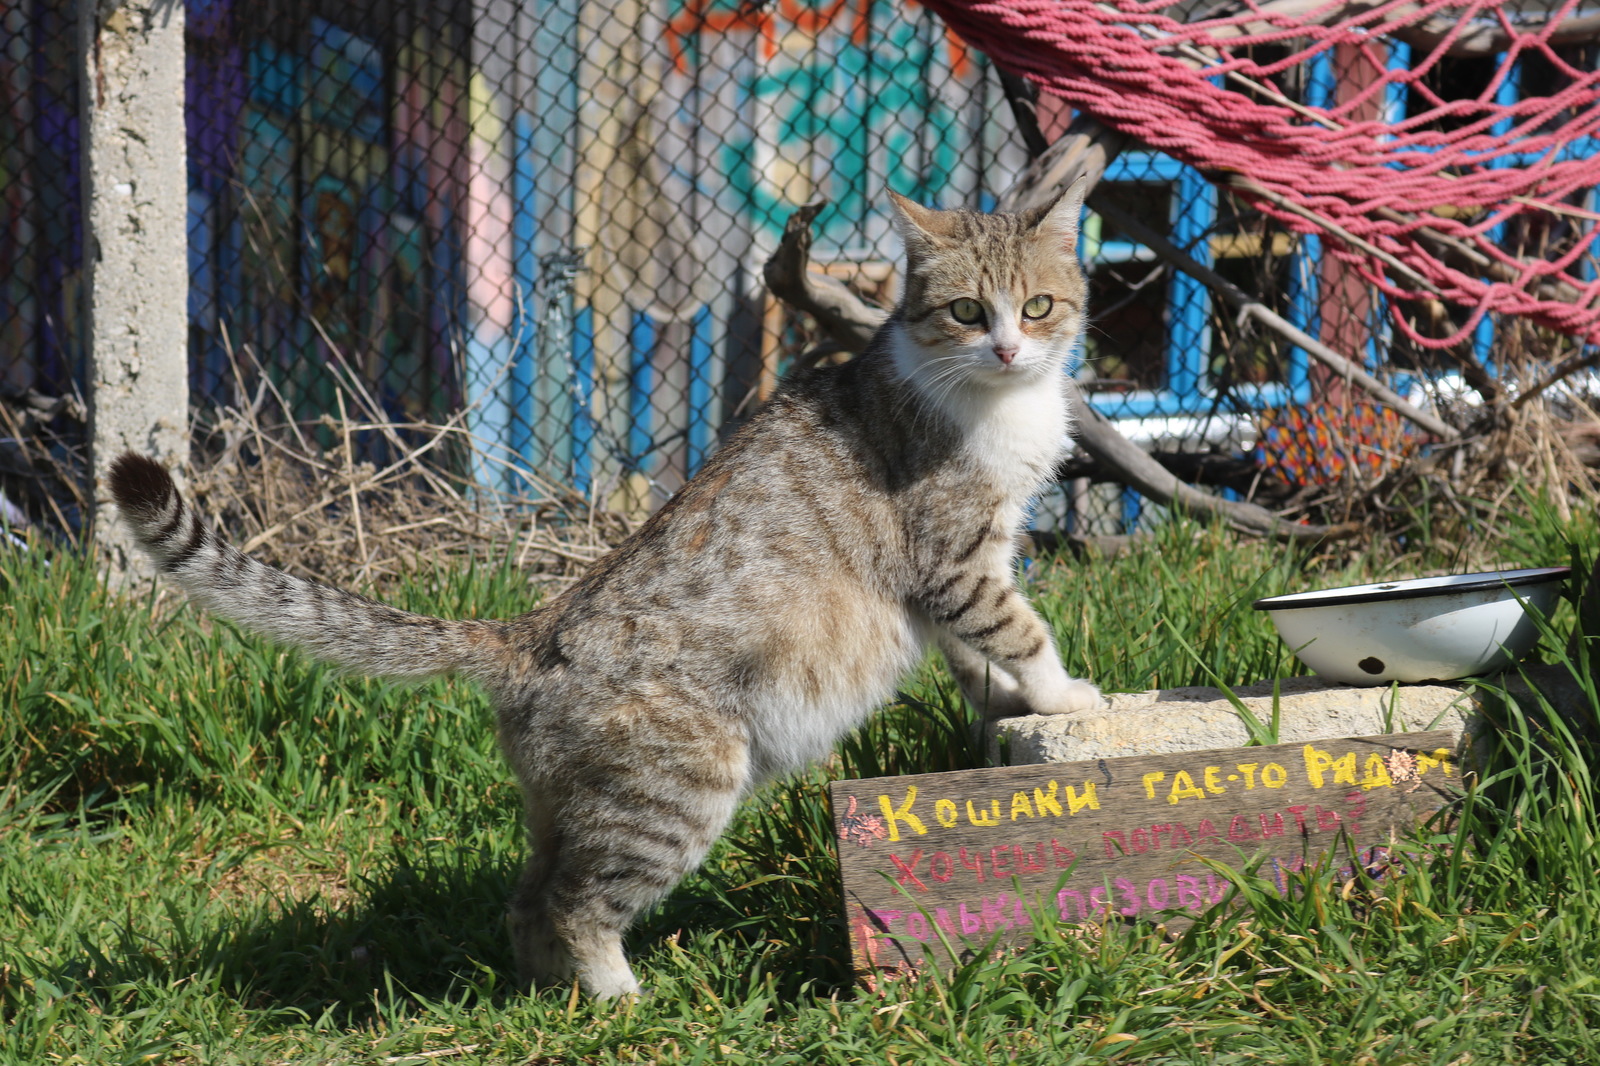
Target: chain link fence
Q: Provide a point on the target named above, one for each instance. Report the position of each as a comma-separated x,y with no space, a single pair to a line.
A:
549,218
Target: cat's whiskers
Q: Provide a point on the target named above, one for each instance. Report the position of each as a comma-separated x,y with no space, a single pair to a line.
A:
939,368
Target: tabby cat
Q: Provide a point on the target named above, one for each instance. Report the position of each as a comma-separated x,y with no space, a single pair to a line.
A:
765,610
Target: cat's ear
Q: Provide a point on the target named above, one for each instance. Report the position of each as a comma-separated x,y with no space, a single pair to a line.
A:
1059,221
918,226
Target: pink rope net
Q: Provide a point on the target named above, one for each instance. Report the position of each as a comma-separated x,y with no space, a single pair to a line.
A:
1445,167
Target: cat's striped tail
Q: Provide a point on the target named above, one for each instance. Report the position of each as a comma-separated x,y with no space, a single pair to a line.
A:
331,624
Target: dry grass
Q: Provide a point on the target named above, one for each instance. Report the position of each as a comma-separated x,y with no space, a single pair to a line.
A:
311,499
1528,432
330,513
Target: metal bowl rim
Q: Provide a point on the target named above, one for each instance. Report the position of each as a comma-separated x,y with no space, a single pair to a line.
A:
1413,588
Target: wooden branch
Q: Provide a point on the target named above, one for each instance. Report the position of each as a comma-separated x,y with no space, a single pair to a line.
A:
1213,469
1085,148
1328,225
1456,253
851,323
1135,468
1563,370
846,317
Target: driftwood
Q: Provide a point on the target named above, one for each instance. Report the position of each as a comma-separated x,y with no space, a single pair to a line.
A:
843,315
1135,468
1085,149
1210,469
850,322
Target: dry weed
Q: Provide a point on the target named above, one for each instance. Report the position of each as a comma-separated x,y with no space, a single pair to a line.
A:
355,499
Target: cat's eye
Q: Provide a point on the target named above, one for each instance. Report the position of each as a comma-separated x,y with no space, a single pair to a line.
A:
1037,307
966,311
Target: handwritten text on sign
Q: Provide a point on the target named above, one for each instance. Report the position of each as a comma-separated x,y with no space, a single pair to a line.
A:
981,853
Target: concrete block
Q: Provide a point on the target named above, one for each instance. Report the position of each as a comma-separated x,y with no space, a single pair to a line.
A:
1199,719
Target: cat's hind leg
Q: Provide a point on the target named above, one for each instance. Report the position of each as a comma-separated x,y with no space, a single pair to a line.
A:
542,957
641,808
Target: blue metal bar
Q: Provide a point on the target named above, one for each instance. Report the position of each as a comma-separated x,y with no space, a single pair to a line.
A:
1586,265
1505,96
525,274
1394,94
1304,291
1194,210
641,382
583,424
701,394
1305,280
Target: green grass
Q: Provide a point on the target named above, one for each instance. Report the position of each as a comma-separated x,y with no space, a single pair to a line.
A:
213,852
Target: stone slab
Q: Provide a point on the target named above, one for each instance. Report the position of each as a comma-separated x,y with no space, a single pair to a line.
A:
1198,719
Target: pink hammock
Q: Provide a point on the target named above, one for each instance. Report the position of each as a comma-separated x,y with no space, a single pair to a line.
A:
1460,168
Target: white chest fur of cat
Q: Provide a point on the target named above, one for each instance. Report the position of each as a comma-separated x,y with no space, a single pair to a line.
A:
866,511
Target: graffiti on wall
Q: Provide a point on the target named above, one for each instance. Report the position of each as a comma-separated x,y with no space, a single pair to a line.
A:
553,212
845,97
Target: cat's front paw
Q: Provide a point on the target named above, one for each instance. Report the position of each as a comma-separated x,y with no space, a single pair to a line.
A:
1070,697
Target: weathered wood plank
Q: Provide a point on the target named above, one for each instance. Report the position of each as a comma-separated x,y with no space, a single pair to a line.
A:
978,854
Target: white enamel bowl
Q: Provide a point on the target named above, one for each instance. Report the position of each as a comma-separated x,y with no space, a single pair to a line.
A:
1425,629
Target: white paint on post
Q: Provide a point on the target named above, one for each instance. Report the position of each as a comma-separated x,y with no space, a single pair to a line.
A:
131,80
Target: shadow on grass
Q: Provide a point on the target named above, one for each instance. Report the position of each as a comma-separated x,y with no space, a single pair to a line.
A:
413,932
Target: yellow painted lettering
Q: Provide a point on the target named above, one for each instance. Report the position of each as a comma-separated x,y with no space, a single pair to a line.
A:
1151,780
1319,762
945,812
894,816
1020,805
1376,773
983,818
1183,787
1046,801
1439,758
1248,769
1213,780
1274,776
1076,803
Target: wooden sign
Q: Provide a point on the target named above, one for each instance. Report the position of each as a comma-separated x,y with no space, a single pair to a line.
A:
980,855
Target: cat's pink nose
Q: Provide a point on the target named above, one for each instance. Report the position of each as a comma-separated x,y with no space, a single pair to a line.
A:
1005,353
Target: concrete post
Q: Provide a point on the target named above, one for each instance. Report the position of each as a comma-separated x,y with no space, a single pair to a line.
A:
135,187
